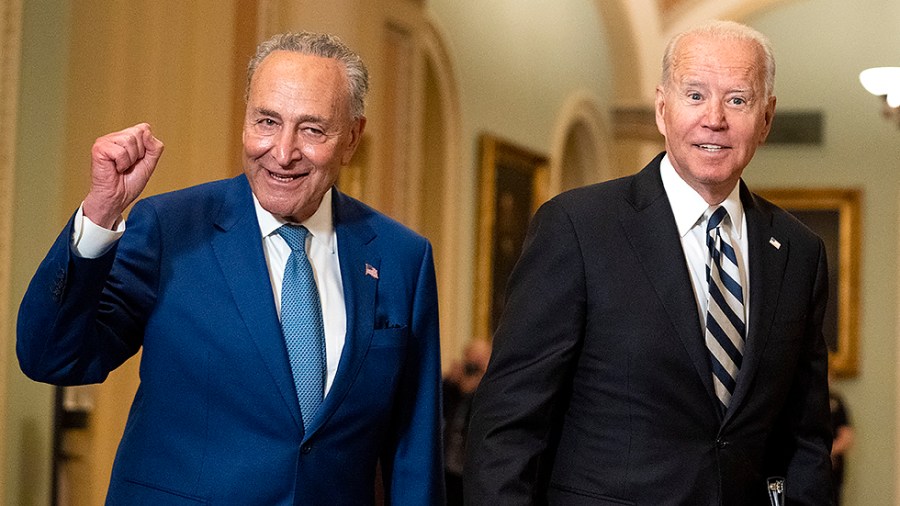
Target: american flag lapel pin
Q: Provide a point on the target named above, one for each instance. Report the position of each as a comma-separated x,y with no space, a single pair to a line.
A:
774,242
371,271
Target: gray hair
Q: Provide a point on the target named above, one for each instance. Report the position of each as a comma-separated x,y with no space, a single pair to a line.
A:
325,46
725,30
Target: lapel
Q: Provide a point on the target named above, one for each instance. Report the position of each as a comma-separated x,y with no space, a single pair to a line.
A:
767,264
653,234
238,248
355,252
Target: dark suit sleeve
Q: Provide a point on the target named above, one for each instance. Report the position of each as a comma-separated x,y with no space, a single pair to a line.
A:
804,438
517,408
412,462
81,318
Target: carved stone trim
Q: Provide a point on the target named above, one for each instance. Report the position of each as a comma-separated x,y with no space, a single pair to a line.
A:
635,123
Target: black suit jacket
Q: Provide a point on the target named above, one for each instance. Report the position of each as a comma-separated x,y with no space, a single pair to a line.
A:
599,389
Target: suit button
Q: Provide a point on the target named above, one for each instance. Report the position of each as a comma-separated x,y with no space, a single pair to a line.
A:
306,448
721,443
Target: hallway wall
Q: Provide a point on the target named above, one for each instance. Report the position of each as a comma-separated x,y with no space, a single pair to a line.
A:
517,65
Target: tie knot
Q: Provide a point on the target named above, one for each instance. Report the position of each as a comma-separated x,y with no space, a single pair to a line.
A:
716,218
294,236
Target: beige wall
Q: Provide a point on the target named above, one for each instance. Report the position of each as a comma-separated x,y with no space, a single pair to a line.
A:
10,51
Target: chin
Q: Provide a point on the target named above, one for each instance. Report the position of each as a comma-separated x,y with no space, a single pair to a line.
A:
718,171
277,208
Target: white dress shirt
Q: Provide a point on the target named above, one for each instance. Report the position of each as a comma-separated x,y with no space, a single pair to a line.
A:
91,241
691,215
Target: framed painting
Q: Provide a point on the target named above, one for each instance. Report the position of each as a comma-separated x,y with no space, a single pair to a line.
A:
513,183
834,214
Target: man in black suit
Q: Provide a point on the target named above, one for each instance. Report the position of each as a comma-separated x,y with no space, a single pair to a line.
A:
616,378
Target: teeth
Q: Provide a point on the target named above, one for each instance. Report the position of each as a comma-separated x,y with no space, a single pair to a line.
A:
711,147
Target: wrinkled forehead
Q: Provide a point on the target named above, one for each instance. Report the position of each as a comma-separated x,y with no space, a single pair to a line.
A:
293,65
740,59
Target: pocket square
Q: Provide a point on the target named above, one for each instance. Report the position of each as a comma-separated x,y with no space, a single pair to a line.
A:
382,322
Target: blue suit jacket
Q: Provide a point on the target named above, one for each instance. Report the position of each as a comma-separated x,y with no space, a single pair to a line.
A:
216,418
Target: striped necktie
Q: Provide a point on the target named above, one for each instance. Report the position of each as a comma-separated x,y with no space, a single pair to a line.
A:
301,322
725,329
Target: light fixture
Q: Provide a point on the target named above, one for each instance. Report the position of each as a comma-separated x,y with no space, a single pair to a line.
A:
884,82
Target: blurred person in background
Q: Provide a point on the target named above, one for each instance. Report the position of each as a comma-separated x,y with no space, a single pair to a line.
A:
459,388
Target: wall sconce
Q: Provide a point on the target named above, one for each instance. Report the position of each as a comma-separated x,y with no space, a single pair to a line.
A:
885,83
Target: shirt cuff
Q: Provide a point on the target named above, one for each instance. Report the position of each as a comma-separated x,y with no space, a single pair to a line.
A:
90,240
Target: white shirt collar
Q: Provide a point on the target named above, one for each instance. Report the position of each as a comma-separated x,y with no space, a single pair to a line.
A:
320,224
688,206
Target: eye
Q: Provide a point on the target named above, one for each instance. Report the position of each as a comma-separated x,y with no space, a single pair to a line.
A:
265,125
738,101
314,134
695,96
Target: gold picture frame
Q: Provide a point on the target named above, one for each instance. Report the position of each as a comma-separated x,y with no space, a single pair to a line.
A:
834,214
513,183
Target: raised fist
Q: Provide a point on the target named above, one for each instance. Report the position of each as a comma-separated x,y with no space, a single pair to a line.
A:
121,164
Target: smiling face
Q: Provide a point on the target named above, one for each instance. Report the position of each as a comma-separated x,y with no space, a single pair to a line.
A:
713,112
298,132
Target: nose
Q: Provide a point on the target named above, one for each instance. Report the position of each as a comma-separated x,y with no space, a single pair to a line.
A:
287,148
715,115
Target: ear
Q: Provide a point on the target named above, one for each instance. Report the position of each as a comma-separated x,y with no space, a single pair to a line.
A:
768,117
356,132
660,110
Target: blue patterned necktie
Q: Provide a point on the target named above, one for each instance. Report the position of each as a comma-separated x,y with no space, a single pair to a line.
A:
301,322
725,329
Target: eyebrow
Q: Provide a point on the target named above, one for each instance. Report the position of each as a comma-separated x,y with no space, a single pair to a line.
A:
303,118
262,111
703,85
693,84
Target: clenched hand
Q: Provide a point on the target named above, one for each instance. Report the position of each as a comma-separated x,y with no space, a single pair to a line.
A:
121,164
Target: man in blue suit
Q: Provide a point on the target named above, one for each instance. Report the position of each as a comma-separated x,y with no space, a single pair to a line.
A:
196,282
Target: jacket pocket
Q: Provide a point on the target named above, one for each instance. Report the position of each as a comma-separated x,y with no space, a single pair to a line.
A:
560,494
392,337
130,492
